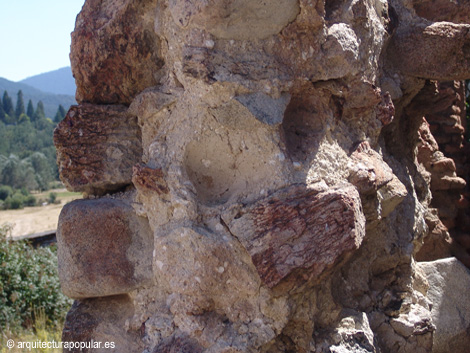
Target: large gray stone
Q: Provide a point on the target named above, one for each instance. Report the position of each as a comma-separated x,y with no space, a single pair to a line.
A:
449,282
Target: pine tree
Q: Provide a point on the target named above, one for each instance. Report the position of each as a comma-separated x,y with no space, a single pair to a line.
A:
8,104
60,114
2,114
30,109
39,113
19,105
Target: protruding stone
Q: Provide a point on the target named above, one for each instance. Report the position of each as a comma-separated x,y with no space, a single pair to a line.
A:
437,51
448,183
437,241
98,325
97,146
296,234
110,38
449,282
104,248
370,172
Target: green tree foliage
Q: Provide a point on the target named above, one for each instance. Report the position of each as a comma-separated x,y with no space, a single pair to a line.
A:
2,113
27,155
18,199
19,174
5,192
42,169
27,152
29,281
39,112
31,173
61,112
30,109
19,105
8,104
23,118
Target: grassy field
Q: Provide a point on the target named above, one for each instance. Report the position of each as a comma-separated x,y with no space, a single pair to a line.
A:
38,219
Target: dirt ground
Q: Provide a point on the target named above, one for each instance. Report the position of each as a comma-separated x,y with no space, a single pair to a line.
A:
38,219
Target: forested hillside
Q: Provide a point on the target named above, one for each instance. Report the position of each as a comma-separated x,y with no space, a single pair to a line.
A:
27,152
50,101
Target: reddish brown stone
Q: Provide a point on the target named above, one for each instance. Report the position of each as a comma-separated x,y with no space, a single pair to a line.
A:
148,178
97,145
437,241
115,51
443,165
299,232
447,183
104,248
386,109
370,172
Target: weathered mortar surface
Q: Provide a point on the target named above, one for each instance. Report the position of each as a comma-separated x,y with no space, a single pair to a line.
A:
273,199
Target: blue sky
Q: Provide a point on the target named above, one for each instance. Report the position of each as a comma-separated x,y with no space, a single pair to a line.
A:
35,36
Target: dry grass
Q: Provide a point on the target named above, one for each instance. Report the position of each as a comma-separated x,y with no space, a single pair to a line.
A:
38,219
40,333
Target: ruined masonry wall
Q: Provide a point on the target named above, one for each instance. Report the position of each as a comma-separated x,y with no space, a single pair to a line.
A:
255,177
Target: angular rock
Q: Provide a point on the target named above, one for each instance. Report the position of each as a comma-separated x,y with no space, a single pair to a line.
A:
443,165
104,249
97,146
266,109
296,233
416,322
111,37
99,325
370,172
449,285
437,241
352,334
146,178
437,51
448,183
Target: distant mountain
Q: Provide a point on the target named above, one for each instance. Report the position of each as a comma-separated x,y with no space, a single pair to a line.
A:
51,101
60,81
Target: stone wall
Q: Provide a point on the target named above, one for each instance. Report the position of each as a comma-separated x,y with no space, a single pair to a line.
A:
257,177
443,152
